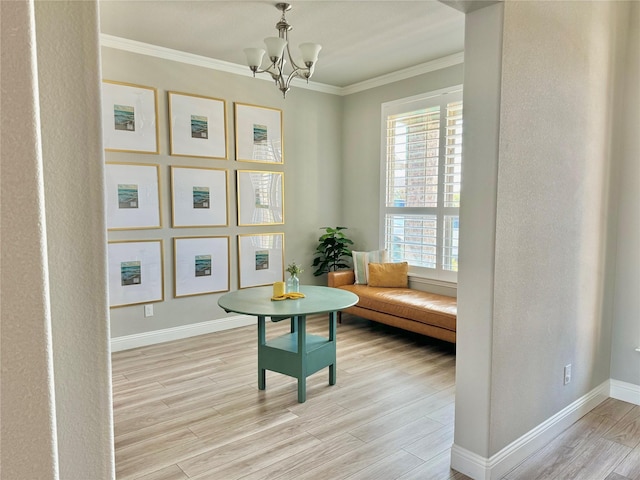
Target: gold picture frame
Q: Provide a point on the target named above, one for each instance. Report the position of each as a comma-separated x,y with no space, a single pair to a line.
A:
199,197
129,118
133,196
197,126
258,133
201,265
260,259
135,272
260,197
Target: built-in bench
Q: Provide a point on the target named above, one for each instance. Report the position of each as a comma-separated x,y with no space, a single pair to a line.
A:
413,310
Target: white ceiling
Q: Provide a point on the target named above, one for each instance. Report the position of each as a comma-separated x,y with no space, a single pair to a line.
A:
361,39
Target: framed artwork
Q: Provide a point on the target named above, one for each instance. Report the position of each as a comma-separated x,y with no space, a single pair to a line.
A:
260,259
199,197
133,196
197,126
129,117
260,197
136,273
258,134
201,265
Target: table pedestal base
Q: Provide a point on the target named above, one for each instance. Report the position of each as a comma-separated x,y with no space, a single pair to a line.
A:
297,354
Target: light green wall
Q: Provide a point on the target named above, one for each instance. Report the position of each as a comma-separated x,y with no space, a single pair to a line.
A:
332,158
361,154
313,190
361,149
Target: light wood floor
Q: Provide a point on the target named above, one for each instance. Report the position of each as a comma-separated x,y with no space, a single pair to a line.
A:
191,409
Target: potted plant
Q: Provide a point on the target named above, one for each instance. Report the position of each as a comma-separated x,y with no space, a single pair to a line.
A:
331,251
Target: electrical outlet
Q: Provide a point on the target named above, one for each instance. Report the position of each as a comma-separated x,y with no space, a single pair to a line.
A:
148,310
567,374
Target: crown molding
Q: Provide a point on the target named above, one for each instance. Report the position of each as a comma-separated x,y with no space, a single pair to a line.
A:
142,48
438,64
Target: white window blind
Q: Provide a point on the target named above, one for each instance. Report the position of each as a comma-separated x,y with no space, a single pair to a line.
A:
421,171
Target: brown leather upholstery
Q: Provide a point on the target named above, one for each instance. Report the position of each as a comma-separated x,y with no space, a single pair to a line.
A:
414,310
341,277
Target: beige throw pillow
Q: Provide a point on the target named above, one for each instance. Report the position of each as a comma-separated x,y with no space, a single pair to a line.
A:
361,263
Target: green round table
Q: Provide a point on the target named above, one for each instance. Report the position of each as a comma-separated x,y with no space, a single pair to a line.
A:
295,354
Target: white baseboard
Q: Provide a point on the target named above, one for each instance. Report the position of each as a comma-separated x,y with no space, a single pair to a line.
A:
176,333
481,468
627,392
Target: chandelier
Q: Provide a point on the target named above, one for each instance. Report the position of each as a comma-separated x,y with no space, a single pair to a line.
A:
275,52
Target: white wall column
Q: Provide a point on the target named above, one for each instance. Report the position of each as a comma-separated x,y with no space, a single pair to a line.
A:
27,427
482,89
67,35
56,384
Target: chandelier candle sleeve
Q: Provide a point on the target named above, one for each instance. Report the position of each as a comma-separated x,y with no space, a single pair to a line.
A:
276,48
254,57
310,53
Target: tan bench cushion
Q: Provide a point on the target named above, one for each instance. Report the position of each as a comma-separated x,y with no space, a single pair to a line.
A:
423,307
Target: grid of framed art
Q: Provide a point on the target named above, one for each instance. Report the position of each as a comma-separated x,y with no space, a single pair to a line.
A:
199,194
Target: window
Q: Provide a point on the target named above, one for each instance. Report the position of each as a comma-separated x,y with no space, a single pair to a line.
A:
421,174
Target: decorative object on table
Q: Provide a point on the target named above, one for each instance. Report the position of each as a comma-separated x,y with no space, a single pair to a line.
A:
279,289
200,265
260,197
275,54
197,126
293,282
129,118
135,272
199,197
288,296
260,259
332,250
133,196
258,133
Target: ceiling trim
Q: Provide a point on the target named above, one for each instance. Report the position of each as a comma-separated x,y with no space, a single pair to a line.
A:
438,64
142,48
112,41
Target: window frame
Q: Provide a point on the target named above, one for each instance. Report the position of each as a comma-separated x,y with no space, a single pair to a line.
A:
437,97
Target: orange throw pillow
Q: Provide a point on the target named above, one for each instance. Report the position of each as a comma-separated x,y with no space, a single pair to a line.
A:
389,275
